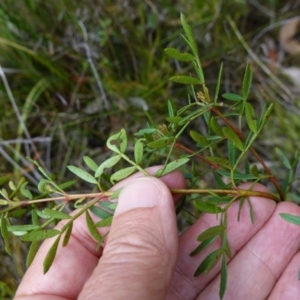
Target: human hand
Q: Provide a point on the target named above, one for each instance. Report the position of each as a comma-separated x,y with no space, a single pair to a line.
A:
143,258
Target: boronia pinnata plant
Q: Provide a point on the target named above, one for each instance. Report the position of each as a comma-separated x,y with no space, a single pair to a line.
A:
231,123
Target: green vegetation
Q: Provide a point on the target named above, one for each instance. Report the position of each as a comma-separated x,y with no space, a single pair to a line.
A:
75,73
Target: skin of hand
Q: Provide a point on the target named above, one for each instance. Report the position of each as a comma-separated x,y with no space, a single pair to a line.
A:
143,257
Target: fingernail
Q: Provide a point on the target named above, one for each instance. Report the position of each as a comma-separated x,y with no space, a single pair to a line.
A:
142,192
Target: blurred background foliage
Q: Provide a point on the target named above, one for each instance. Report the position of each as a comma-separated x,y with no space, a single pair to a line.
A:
73,72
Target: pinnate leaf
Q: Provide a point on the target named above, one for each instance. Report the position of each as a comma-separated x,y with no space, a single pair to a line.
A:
99,212
217,129
185,79
55,214
231,135
247,82
92,228
138,151
90,163
209,262
207,207
198,138
34,247
67,234
223,162
224,276
172,166
291,218
176,54
250,118
83,174
202,246
105,222
39,235
189,34
161,142
50,255
285,160
211,232
5,234
232,97
120,139
110,162
121,174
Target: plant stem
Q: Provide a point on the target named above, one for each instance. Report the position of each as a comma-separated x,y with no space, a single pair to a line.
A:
239,133
237,192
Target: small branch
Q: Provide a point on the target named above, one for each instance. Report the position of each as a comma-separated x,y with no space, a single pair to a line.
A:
239,133
237,192
187,150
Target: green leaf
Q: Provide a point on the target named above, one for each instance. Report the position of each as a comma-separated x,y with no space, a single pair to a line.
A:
119,138
3,202
241,203
223,162
231,135
198,138
247,82
50,255
217,129
231,152
202,246
285,160
92,228
209,262
254,171
207,207
174,53
116,194
175,119
55,214
225,245
218,83
26,193
67,184
90,163
45,186
189,34
232,97
185,79
105,222
211,232
291,218
224,276
39,235
251,121
82,174
5,234
99,212
171,166
34,247
138,151
170,109
67,234
17,213
144,131
121,174
28,227
237,175
161,142
4,179
220,183
110,162
251,210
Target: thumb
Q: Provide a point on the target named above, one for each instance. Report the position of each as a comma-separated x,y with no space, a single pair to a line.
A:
141,250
